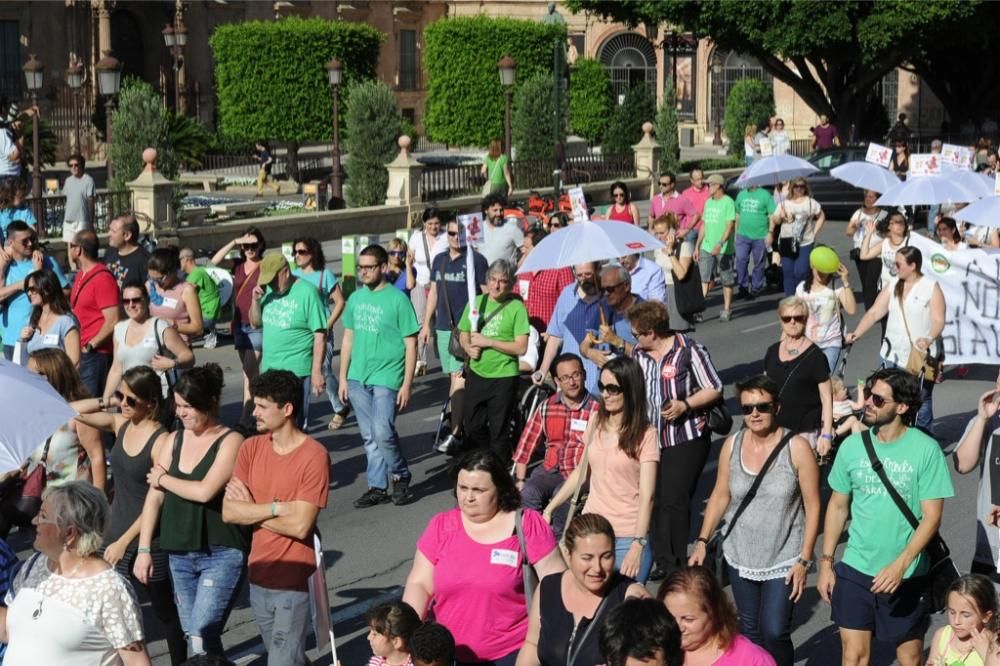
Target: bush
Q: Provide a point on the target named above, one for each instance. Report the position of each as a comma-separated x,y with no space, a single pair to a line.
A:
465,103
713,163
625,128
750,102
139,122
190,140
373,127
591,99
532,118
666,131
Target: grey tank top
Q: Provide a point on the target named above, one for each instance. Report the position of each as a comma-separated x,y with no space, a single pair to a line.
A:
129,473
767,539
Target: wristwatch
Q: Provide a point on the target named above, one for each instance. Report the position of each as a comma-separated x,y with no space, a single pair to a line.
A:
642,541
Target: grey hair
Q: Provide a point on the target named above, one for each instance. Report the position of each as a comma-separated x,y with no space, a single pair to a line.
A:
185,253
80,505
502,267
623,274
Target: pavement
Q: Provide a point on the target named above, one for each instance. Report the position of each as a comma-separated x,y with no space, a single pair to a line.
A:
368,552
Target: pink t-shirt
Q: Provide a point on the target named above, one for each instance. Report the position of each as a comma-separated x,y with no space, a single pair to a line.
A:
614,480
678,205
697,197
478,588
743,652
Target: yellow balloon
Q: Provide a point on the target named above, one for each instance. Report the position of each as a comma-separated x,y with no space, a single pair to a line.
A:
824,259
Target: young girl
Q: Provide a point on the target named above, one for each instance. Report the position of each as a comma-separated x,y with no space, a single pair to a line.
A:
390,627
400,273
844,409
972,626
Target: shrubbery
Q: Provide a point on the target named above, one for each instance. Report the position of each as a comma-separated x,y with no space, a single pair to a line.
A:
532,119
666,131
625,128
139,122
750,103
373,127
591,99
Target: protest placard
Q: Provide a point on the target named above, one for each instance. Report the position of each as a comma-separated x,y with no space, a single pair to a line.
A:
878,154
472,226
924,164
956,156
578,202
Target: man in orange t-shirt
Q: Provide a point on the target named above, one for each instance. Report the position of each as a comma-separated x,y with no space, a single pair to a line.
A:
280,483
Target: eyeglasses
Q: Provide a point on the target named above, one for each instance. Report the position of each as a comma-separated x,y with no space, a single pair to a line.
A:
132,301
798,319
761,407
368,267
129,400
618,194
302,253
31,289
610,389
611,287
26,242
876,399
572,377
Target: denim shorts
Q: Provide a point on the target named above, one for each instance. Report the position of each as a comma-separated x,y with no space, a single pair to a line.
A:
897,618
721,267
246,336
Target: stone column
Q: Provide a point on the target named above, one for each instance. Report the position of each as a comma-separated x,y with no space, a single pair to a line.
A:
647,156
103,8
152,199
404,177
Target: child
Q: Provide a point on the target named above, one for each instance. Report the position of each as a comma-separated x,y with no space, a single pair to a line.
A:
432,645
844,420
972,626
390,627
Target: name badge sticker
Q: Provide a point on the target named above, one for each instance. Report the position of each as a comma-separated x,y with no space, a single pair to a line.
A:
504,557
170,302
149,343
50,339
578,425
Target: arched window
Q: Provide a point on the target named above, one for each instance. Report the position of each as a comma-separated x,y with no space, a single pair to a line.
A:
735,67
630,60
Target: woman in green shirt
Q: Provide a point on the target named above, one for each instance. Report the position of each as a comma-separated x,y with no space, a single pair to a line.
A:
496,169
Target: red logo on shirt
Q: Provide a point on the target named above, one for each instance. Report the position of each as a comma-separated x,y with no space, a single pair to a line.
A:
635,245
669,372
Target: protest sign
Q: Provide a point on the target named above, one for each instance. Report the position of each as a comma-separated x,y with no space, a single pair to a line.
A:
472,226
956,156
578,202
319,603
924,164
766,147
878,154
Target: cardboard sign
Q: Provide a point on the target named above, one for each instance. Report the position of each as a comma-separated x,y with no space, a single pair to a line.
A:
319,603
766,148
878,154
471,226
924,164
470,229
578,202
956,156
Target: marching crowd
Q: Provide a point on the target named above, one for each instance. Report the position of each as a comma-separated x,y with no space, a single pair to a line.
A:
561,520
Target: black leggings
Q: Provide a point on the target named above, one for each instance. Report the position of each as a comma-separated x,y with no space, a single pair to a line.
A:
679,472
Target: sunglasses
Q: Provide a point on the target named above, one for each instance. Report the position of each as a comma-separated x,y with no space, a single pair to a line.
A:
246,247
610,389
31,289
126,399
302,253
611,288
798,319
74,165
876,399
667,184
132,301
452,233
619,194
761,407
555,224
798,187
397,253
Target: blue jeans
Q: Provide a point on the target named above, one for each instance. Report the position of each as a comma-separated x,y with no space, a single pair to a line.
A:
832,356
795,269
94,371
765,614
747,248
206,584
375,410
645,564
332,384
925,413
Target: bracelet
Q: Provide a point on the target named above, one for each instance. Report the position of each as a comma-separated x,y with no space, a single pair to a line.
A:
826,435
687,405
701,539
274,509
143,549
826,558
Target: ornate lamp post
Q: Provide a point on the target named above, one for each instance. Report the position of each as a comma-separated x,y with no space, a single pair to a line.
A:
508,74
175,38
74,78
335,73
716,73
33,77
109,73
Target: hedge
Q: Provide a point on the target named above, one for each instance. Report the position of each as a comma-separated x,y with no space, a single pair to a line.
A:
374,126
750,103
465,102
591,99
666,131
532,119
625,128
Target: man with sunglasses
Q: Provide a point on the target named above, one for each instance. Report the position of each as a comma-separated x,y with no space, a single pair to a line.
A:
669,200
878,587
79,190
96,302
615,334
20,258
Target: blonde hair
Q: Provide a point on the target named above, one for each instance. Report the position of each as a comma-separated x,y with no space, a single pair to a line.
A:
397,244
79,505
749,131
836,384
668,219
789,302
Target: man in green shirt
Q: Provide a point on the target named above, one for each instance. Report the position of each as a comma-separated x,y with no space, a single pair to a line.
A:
208,294
493,345
379,322
879,585
714,250
754,207
292,319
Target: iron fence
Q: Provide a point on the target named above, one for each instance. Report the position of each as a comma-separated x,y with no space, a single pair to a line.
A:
51,211
447,181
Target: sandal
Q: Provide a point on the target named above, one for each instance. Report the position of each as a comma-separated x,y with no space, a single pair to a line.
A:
339,419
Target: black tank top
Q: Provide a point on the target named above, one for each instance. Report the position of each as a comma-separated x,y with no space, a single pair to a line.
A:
129,473
557,624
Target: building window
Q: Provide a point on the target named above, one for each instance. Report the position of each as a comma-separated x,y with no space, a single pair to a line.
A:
409,115
408,60
11,77
631,61
735,68
888,91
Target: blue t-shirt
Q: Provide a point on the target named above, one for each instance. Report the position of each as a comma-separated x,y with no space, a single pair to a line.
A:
323,280
571,320
453,271
17,308
8,215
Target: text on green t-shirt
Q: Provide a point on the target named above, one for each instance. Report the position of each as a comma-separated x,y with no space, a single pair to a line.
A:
754,208
289,323
380,320
717,213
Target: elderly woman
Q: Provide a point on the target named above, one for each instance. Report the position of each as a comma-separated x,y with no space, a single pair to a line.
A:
51,324
500,336
799,220
66,605
802,374
915,307
707,619
770,548
566,614
173,298
622,459
681,383
468,563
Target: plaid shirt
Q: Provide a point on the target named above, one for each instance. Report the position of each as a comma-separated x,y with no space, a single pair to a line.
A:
540,291
684,370
563,444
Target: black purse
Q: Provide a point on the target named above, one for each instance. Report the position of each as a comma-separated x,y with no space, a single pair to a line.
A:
720,421
714,560
687,292
943,571
455,347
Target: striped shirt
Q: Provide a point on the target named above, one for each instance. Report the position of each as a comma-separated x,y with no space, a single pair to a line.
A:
684,369
562,427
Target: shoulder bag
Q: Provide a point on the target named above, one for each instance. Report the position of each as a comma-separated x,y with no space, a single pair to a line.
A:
170,375
574,503
720,421
528,573
714,560
919,363
687,292
454,344
943,571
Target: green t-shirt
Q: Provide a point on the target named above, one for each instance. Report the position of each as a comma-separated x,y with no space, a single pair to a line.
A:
509,323
878,533
380,320
289,322
716,214
208,292
494,170
754,207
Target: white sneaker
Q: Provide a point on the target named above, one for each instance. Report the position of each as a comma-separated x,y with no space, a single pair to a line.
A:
211,340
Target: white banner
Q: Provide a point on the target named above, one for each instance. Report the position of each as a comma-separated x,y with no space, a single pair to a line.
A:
970,280
925,164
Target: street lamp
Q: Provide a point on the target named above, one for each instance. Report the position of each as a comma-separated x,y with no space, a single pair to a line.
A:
335,73
74,78
175,38
109,73
508,74
716,72
33,70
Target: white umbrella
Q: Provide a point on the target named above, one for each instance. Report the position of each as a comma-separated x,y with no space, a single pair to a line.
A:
773,170
926,191
974,182
588,241
983,213
865,175
30,411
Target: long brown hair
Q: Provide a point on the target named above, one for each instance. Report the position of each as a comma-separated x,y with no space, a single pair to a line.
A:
911,256
699,583
496,149
56,367
635,422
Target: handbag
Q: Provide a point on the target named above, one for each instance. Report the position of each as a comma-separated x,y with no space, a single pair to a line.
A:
919,363
455,347
688,295
30,500
943,571
528,573
714,560
720,421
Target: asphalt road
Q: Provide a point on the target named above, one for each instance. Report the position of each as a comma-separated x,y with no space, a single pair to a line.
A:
368,552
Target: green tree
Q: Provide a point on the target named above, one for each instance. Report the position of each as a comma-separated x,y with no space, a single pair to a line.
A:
750,102
465,102
189,139
139,122
666,131
531,119
591,99
373,127
625,128
271,78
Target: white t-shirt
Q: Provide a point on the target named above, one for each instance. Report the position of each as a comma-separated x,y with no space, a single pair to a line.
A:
7,145
917,306
861,218
824,324
420,262
663,260
888,256
803,214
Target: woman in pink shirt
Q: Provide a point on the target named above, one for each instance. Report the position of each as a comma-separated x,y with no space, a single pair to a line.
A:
468,566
